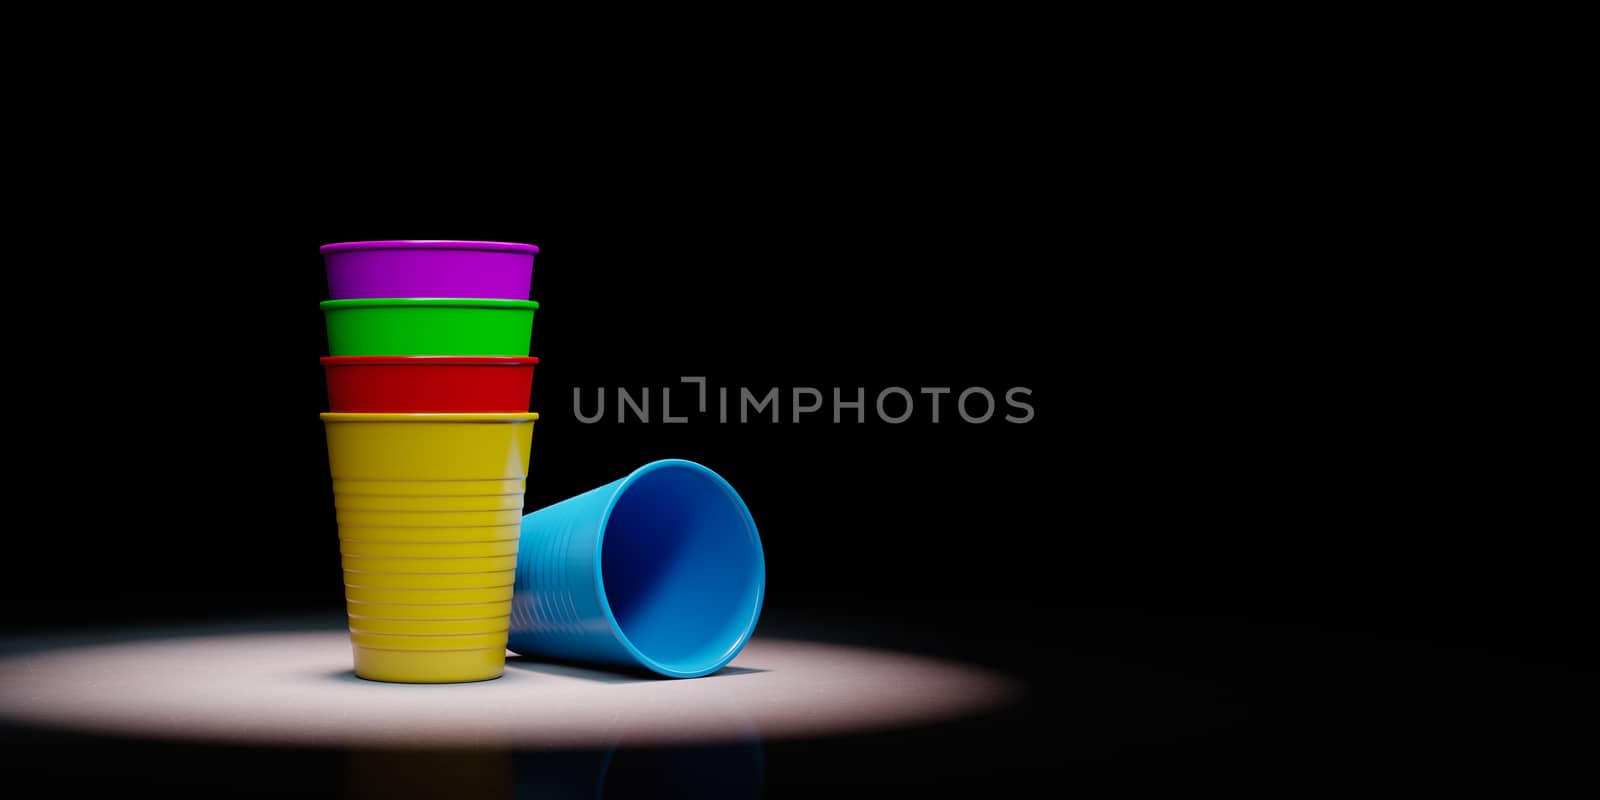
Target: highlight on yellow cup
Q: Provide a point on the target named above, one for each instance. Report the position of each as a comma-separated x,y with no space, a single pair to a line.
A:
428,597
429,508
424,611
428,535
377,548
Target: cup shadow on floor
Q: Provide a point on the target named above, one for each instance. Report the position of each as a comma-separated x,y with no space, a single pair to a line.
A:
564,670
588,672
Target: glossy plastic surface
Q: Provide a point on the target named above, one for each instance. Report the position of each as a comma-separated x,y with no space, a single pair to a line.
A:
358,594
446,549
429,327
428,447
432,519
447,666
470,641
427,506
428,566
429,627
427,611
427,580
662,569
413,534
351,486
429,268
422,502
428,383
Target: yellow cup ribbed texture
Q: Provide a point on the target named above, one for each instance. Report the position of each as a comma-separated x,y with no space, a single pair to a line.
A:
405,666
482,533
352,486
428,611
450,597
471,641
425,580
431,566
399,502
428,519
371,549
430,627
429,509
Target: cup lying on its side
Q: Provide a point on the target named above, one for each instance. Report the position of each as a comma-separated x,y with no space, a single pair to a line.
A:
662,570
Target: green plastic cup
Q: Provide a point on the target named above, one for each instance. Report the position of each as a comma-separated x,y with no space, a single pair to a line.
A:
429,327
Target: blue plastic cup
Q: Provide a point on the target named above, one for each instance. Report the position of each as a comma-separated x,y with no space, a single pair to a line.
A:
662,570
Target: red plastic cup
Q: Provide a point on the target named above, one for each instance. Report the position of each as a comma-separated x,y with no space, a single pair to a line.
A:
422,384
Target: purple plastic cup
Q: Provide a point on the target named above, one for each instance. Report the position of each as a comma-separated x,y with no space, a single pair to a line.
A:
429,268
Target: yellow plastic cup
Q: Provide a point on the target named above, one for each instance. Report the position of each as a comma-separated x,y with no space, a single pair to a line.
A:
457,502
401,658
400,518
435,611
431,566
370,549
430,627
429,508
425,580
489,533
415,597
423,643
403,666
429,447
344,487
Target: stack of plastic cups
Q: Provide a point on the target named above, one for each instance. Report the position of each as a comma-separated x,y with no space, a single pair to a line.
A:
428,442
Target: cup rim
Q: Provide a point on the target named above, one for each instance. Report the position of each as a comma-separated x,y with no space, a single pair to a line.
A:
429,244
600,585
430,361
431,416
428,302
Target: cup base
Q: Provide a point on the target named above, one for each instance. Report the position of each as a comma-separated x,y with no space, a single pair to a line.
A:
410,666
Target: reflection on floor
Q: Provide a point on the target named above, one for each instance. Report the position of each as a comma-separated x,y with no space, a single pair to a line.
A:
295,688
276,706
732,770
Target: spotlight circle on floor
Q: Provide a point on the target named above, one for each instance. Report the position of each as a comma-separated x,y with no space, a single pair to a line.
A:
296,688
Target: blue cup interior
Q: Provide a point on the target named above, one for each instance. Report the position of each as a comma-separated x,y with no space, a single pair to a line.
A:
681,568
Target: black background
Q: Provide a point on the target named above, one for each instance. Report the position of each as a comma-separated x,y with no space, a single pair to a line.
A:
1281,471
